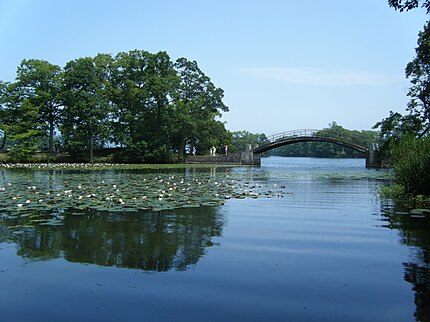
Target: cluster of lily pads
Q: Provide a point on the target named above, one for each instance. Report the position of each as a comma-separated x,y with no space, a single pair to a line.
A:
103,166
60,165
45,195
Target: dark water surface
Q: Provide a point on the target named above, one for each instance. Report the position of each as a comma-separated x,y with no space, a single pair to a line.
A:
328,249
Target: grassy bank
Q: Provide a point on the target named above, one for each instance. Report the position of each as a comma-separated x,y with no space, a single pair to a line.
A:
410,160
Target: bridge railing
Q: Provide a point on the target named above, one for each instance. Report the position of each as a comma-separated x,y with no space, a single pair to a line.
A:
292,134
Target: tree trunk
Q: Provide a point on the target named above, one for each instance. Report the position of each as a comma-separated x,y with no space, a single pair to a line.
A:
51,137
91,146
182,145
3,144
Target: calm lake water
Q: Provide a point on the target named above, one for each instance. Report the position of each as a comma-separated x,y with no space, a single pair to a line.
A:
326,248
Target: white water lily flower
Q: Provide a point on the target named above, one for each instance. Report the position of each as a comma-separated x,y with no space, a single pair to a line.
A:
20,205
27,201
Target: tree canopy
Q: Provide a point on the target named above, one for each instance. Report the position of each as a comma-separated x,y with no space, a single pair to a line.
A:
406,140
148,107
406,5
417,121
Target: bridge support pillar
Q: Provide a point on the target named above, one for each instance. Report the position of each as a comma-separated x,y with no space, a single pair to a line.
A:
372,156
248,157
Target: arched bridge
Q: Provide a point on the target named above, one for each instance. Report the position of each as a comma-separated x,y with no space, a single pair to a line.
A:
304,135
252,156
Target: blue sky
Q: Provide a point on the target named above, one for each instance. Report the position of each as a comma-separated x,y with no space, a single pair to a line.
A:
283,64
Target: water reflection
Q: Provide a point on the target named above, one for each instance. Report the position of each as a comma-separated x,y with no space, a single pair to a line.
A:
154,241
414,232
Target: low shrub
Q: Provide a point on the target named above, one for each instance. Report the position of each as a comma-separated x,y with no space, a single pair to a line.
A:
411,163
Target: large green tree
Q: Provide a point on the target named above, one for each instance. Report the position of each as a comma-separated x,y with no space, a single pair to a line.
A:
40,84
143,86
86,103
129,95
418,71
161,82
417,121
198,105
19,121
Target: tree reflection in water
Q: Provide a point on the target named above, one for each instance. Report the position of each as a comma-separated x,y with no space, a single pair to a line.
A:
415,233
153,241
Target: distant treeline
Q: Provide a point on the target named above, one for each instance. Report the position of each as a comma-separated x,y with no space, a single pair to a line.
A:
148,107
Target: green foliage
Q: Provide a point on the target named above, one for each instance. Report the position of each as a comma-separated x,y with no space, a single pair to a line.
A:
40,83
406,5
86,105
241,138
19,121
405,140
198,104
418,72
411,162
395,126
152,108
